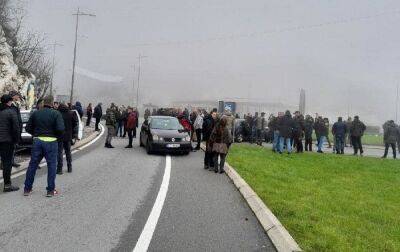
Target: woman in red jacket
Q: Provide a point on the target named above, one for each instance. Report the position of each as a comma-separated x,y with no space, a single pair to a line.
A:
131,124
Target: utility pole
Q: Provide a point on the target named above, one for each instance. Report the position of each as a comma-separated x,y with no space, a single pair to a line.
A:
138,79
54,64
397,103
77,14
133,84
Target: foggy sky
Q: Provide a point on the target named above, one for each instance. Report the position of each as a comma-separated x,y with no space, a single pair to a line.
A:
349,62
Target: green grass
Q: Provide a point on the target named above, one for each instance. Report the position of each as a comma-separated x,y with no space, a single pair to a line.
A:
327,202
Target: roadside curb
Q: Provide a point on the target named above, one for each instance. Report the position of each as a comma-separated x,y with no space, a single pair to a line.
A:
278,234
77,146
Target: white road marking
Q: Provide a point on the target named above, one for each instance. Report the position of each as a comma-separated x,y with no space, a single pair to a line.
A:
143,243
43,163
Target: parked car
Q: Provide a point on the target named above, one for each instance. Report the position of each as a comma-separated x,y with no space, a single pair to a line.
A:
26,138
164,134
79,136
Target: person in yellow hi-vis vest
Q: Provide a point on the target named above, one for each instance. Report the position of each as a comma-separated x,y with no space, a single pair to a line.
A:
45,125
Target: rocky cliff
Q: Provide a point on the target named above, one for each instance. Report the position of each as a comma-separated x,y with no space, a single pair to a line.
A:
10,76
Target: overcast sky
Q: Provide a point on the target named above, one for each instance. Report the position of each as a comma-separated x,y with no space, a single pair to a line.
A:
344,53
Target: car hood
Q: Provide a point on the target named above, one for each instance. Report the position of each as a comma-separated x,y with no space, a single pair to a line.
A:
169,133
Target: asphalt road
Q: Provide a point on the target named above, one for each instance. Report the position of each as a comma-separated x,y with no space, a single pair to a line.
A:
105,203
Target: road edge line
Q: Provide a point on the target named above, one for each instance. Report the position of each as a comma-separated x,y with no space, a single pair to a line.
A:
146,236
278,234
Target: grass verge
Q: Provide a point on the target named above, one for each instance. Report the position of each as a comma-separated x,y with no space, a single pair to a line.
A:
327,202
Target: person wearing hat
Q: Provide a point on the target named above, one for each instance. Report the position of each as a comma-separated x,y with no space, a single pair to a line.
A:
45,125
9,136
15,105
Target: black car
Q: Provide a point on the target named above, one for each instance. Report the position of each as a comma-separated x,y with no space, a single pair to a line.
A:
164,134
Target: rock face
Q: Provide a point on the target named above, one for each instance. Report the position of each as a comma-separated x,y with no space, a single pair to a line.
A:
10,77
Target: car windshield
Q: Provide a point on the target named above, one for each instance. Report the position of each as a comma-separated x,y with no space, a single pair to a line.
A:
25,116
165,124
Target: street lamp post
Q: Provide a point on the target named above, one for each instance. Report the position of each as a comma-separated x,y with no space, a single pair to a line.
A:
77,14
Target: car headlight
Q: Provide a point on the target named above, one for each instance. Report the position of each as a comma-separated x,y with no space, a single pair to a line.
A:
187,139
157,138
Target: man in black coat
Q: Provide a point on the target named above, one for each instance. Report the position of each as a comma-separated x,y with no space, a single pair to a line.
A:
357,131
308,132
9,136
285,126
16,98
321,131
339,130
64,141
98,113
209,123
298,131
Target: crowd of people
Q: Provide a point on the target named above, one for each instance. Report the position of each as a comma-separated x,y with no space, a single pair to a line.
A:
54,125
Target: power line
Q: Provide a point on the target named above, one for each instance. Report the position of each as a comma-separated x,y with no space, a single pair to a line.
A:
269,32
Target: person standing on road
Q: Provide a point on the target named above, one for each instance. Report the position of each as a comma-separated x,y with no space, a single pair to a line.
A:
78,107
390,136
45,125
10,134
220,140
64,141
357,131
308,132
16,106
208,126
131,124
98,113
89,114
111,122
147,113
198,127
339,130
321,131
285,132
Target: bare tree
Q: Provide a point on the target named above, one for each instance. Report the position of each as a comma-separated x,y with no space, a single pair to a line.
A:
28,49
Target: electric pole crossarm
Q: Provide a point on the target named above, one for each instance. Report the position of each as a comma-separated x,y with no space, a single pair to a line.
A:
77,14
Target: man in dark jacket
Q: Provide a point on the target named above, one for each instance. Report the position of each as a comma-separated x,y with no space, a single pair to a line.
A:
298,130
111,121
308,132
273,127
357,131
339,130
285,127
131,125
9,136
209,122
321,131
15,105
45,126
98,113
64,141
390,136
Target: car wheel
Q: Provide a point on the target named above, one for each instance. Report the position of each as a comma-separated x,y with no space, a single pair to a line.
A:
239,138
148,148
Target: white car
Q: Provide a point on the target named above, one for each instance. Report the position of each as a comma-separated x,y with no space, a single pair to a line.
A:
26,138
